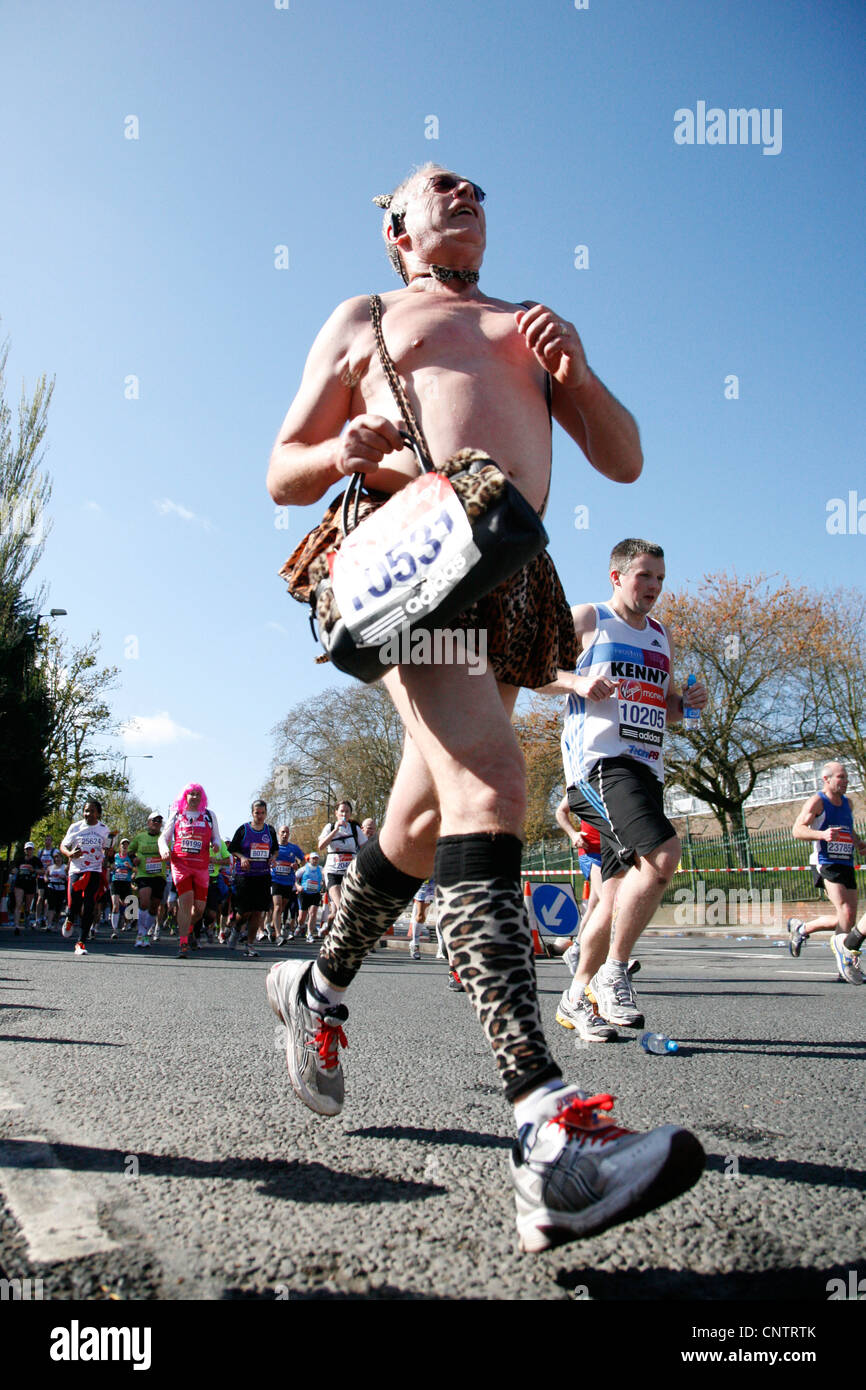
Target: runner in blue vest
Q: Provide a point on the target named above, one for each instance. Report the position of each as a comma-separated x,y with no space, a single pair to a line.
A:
255,844
828,820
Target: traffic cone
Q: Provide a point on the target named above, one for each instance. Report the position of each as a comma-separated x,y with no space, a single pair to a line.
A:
537,947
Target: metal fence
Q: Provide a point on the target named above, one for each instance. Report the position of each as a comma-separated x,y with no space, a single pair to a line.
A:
763,860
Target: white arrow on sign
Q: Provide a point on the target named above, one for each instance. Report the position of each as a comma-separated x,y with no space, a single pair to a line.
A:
551,914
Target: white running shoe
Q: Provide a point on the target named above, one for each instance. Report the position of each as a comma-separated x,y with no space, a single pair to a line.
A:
80,950
847,962
584,1019
313,1039
576,1174
796,935
612,990
572,956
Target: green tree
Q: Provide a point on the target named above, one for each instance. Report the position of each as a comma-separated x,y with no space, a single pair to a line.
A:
77,685
24,715
25,722
25,489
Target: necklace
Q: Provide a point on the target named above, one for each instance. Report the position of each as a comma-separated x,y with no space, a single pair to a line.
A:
443,273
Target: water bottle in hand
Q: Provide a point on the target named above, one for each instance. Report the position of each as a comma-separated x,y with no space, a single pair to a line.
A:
691,717
658,1044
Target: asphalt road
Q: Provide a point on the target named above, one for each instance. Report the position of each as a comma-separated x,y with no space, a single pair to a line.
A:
156,1092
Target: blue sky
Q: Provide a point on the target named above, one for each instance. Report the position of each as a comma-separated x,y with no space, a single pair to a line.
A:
260,127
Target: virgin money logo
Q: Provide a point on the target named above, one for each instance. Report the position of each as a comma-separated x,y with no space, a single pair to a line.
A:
629,690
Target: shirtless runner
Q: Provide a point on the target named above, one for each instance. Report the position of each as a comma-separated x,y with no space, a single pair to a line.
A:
477,371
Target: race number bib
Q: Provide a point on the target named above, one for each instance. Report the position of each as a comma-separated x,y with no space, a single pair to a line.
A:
153,866
641,711
841,849
402,560
260,852
189,846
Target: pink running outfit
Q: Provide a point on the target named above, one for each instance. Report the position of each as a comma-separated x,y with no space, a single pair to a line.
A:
189,836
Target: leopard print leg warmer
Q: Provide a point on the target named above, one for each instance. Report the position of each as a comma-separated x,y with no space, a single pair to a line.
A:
374,894
489,944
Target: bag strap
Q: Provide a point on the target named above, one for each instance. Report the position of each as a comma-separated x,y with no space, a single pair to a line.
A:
396,386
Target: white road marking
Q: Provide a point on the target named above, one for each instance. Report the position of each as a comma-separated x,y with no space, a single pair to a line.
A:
53,1206
8,1101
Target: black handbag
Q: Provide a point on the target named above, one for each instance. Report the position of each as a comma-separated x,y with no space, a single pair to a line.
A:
421,558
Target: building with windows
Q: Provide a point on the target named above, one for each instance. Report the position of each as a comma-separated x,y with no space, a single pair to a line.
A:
776,797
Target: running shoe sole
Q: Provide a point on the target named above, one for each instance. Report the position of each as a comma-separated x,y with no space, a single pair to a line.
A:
669,1176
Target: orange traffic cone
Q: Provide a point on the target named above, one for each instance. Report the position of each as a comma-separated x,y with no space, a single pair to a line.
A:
537,947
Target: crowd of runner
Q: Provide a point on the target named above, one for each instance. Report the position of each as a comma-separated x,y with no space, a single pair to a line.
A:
179,877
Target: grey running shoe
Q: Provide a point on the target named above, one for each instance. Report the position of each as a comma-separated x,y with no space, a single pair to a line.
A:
414,953
454,982
314,1040
612,990
847,962
572,956
576,1173
796,935
583,1018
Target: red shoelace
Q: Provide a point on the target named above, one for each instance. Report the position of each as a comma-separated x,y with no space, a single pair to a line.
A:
580,1114
327,1042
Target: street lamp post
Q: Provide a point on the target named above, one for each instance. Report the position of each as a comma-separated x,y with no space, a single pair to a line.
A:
132,755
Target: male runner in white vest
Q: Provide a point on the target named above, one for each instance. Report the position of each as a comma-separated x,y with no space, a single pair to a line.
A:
620,699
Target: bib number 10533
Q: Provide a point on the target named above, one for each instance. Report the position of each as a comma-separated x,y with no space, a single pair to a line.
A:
402,560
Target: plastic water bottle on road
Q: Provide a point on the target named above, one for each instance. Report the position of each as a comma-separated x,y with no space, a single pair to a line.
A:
691,717
658,1044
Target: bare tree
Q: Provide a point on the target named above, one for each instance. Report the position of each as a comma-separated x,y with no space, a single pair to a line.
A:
749,641
344,743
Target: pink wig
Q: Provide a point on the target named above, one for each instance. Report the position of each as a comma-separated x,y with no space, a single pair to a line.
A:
180,804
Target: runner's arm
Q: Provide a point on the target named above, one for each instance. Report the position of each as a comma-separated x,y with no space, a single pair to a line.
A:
802,829
674,706
310,454
167,837
568,682
563,820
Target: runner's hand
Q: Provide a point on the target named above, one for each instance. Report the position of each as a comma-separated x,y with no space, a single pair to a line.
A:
365,442
594,688
695,696
835,832
556,345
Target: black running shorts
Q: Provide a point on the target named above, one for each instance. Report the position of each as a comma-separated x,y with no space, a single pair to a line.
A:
253,893
835,873
633,821
156,884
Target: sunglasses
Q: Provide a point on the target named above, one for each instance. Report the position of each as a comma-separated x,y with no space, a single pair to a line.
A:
446,183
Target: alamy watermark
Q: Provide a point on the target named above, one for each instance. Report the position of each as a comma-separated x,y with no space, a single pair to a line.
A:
443,646
738,907
846,517
21,1290
735,126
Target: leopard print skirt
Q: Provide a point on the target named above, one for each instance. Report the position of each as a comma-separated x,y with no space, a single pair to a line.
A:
529,627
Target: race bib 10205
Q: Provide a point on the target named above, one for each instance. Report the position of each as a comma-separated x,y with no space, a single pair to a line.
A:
402,560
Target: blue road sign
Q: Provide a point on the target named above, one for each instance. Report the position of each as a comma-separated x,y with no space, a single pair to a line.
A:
555,909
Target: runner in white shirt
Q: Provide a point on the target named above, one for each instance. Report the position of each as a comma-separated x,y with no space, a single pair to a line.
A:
84,845
342,840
